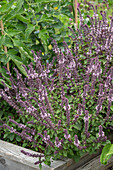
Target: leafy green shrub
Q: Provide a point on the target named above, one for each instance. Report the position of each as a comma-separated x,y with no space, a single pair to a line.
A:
30,25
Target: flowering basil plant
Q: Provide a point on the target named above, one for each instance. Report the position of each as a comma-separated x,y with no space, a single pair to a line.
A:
68,101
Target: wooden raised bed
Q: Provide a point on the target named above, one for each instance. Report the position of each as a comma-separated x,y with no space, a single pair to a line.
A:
11,158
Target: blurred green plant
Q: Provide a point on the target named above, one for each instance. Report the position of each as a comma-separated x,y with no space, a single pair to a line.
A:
107,152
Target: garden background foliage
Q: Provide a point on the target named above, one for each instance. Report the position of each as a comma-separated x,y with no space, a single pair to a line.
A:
30,25
67,102
35,23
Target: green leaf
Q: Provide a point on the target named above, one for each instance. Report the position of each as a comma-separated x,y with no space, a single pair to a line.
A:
20,67
21,18
8,17
24,53
11,136
111,107
1,16
24,145
2,40
20,27
23,119
4,82
77,126
19,5
106,153
29,30
76,158
13,32
8,42
45,1
3,72
18,138
6,7
12,52
110,150
40,166
71,152
65,153
15,58
18,43
43,34
5,135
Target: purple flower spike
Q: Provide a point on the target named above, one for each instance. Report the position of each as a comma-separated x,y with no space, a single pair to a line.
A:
32,155
101,90
56,152
76,141
86,118
57,142
86,88
80,109
102,136
59,123
75,118
101,133
66,135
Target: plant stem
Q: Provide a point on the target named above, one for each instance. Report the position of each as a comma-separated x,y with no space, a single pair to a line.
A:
5,48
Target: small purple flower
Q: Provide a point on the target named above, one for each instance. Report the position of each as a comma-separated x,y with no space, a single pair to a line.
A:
70,19
86,117
57,142
75,118
86,120
92,92
110,97
99,106
46,137
56,152
101,90
45,115
78,4
80,107
86,88
59,123
101,133
76,141
66,135
72,64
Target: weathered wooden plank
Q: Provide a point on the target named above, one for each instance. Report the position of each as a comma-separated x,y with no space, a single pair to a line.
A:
95,164
12,155
11,158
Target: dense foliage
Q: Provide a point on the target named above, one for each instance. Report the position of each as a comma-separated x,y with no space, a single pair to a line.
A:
67,102
29,25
